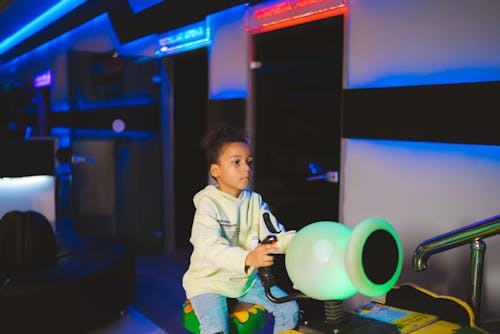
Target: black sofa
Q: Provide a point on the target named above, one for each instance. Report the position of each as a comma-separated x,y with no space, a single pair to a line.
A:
62,282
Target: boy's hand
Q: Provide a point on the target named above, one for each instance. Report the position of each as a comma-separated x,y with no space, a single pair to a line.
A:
261,256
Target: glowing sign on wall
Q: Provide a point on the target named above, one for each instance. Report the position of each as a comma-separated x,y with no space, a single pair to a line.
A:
187,38
43,79
278,14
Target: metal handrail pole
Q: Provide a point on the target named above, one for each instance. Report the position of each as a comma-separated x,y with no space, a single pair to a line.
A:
461,236
478,248
473,235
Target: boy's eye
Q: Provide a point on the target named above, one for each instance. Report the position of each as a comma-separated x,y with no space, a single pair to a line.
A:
239,161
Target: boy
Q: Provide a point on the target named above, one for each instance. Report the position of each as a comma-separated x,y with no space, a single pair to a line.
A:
227,226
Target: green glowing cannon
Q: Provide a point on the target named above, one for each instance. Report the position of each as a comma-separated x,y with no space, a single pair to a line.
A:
330,261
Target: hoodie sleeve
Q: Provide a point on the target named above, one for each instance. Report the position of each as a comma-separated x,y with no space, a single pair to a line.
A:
208,241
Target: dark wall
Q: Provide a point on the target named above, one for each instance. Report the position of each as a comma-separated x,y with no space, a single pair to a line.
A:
229,111
458,113
17,110
103,78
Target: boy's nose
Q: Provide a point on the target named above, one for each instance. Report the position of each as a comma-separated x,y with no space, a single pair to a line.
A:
246,167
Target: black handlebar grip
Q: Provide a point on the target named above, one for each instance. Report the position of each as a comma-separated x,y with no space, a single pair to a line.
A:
271,238
266,273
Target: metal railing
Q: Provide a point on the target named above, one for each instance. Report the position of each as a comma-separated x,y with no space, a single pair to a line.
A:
472,234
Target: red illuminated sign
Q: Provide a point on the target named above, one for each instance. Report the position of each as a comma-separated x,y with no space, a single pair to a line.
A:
282,13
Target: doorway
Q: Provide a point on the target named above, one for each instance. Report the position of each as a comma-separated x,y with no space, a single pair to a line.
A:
297,120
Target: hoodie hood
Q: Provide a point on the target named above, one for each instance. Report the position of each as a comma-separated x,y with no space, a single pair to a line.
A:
214,193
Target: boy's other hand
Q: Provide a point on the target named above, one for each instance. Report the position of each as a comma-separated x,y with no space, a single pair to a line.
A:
261,256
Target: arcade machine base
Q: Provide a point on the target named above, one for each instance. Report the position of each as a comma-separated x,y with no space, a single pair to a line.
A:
352,324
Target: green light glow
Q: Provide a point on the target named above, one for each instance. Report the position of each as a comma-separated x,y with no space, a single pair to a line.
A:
324,260
354,257
314,261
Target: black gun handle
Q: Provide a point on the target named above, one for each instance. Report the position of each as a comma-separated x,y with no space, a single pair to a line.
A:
271,238
266,273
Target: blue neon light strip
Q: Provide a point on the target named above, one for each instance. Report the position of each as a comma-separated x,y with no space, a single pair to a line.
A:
486,152
54,13
140,5
95,27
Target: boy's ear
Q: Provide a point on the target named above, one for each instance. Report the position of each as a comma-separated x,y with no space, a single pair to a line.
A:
214,170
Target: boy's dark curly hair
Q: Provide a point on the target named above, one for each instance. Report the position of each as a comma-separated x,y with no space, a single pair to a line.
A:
213,142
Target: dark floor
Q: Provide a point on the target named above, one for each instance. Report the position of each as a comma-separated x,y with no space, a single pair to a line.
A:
159,294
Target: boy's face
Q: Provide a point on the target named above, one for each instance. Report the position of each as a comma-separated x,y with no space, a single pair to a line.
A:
233,168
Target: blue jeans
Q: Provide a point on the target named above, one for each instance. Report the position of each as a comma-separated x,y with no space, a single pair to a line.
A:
211,309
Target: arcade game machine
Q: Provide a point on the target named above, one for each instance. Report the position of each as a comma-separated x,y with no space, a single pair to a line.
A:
331,262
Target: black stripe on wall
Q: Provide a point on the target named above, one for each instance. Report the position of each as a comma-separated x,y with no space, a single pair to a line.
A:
458,113
136,118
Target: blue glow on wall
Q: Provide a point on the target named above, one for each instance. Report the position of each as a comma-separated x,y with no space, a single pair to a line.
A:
393,43
144,46
456,76
63,135
42,21
484,152
140,5
184,39
229,95
228,54
120,102
106,134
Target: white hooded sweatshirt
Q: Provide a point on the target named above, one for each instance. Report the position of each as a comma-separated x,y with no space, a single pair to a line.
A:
225,229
